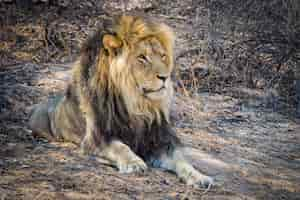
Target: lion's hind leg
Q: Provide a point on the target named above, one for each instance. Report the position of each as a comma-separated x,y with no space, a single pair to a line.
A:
39,121
123,158
176,163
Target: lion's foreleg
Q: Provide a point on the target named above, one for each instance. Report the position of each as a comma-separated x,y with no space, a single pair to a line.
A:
176,163
89,143
122,157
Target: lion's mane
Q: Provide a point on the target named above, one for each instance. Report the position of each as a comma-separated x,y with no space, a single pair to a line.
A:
121,113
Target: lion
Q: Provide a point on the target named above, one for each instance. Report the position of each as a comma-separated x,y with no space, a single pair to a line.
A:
117,103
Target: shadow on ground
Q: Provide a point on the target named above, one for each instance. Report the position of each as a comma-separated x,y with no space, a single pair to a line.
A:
252,151
252,154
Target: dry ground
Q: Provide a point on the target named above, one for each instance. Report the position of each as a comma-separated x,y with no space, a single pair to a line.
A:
252,151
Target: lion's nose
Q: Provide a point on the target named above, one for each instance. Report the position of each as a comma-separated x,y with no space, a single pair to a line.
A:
163,78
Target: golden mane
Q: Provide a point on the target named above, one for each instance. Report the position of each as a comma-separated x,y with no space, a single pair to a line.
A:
104,88
113,74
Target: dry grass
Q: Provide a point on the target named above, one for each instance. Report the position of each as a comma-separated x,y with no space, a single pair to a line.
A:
252,151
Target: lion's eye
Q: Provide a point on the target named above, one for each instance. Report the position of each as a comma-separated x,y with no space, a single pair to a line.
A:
142,58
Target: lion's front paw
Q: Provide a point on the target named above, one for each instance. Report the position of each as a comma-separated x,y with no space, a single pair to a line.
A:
198,179
132,165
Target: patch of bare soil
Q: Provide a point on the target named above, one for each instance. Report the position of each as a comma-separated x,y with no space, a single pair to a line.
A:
253,152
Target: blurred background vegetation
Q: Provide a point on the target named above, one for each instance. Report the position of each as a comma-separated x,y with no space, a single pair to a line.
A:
227,46
256,44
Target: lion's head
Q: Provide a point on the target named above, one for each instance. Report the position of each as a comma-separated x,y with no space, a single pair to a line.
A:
140,62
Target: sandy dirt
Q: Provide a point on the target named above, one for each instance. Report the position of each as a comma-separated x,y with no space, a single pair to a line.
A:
252,151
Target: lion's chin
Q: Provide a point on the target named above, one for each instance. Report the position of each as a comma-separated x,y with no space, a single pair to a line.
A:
157,95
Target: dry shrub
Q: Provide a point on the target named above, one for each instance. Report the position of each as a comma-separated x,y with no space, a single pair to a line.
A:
256,43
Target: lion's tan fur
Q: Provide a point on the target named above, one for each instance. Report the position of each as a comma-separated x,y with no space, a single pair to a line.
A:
117,104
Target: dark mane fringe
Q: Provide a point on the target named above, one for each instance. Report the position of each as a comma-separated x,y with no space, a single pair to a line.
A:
143,138
112,117
89,58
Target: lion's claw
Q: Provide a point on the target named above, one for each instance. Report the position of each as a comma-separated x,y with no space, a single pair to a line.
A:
206,182
200,180
137,165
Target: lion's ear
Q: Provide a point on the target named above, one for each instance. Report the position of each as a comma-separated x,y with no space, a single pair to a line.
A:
111,42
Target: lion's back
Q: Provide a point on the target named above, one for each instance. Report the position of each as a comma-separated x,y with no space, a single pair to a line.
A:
58,119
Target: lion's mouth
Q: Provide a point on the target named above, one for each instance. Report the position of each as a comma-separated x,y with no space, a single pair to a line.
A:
147,91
